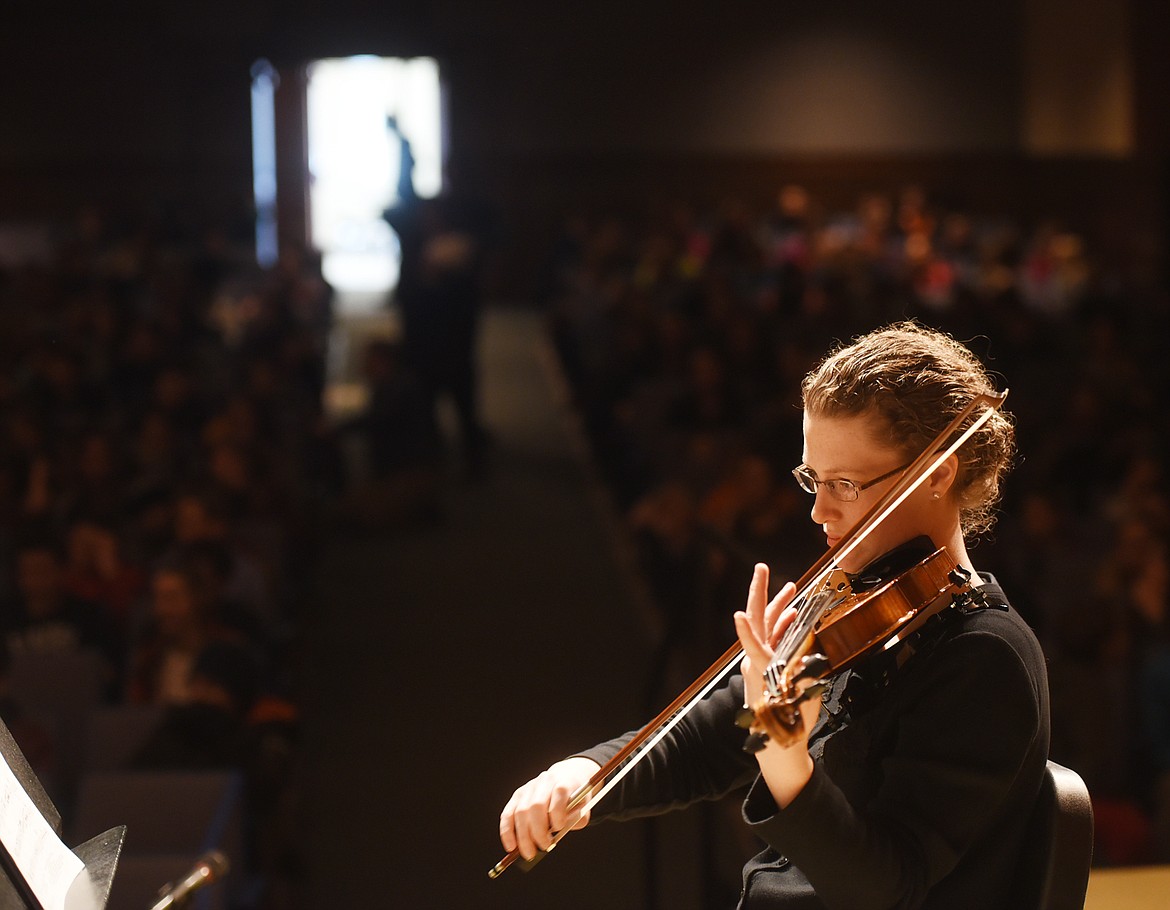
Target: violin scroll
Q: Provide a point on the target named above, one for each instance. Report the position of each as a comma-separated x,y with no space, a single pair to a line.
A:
778,718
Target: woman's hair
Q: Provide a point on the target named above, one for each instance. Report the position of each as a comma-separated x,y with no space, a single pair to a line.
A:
916,381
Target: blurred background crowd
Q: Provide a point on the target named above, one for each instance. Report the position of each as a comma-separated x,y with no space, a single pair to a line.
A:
161,474
169,470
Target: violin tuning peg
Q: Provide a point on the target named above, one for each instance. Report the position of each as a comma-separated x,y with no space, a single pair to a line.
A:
755,742
959,577
813,666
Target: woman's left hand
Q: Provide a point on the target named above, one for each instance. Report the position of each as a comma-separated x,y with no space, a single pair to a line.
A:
760,627
786,768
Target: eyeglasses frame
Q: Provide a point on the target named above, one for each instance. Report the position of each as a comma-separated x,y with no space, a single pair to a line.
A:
858,488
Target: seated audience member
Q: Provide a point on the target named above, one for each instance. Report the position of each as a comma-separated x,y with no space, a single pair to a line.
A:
203,516
97,571
212,563
97,480
208,729
44,618
228,725
176,631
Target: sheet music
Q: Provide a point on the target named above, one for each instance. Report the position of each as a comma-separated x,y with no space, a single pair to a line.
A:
53,872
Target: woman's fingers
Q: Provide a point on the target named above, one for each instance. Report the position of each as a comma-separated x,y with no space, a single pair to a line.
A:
757,601
524,824
754,649
539,809
753,682
560,816
779,613
760,628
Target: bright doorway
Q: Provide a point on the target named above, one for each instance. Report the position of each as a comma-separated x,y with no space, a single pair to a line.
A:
362,113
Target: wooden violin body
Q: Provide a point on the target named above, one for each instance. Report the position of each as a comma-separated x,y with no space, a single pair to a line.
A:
851,627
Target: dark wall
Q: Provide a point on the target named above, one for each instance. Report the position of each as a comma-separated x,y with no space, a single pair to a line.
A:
118,92
147,103
751,77
132,104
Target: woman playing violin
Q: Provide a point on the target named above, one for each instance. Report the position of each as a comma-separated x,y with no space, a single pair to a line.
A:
910,782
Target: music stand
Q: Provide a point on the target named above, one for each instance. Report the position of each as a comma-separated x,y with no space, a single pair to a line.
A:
99,855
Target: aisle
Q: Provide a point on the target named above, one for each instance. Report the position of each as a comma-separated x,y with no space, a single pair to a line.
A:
450,663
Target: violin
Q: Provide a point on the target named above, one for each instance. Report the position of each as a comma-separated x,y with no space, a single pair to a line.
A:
826,639
834,628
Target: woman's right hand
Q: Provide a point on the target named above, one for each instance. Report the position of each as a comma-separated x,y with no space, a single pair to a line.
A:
538,810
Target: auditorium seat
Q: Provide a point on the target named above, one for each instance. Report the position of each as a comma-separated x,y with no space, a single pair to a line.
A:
115,733
182,812
61,689
171,819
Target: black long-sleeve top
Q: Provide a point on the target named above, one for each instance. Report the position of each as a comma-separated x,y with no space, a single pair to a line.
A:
923,780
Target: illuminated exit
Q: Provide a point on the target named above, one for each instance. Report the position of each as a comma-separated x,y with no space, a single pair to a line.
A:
374,133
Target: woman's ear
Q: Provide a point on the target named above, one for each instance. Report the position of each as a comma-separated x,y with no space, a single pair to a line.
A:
942,479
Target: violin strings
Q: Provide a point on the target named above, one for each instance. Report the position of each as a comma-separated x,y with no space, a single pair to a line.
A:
810,607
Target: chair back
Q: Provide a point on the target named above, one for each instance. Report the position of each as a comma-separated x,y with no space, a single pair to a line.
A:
1058,849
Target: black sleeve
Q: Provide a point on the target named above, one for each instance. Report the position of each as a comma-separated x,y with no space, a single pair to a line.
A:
701,757
968,732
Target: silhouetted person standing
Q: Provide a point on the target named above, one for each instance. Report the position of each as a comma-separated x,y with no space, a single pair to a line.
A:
439,296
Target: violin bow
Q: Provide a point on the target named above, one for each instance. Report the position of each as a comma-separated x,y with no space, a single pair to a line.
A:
611,773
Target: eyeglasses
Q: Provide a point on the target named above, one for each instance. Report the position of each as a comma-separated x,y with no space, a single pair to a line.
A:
839,488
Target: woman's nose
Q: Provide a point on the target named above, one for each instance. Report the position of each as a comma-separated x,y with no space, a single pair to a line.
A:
825,507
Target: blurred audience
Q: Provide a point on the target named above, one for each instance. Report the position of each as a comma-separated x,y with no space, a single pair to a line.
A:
160,471
684,334
45,618
164,455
